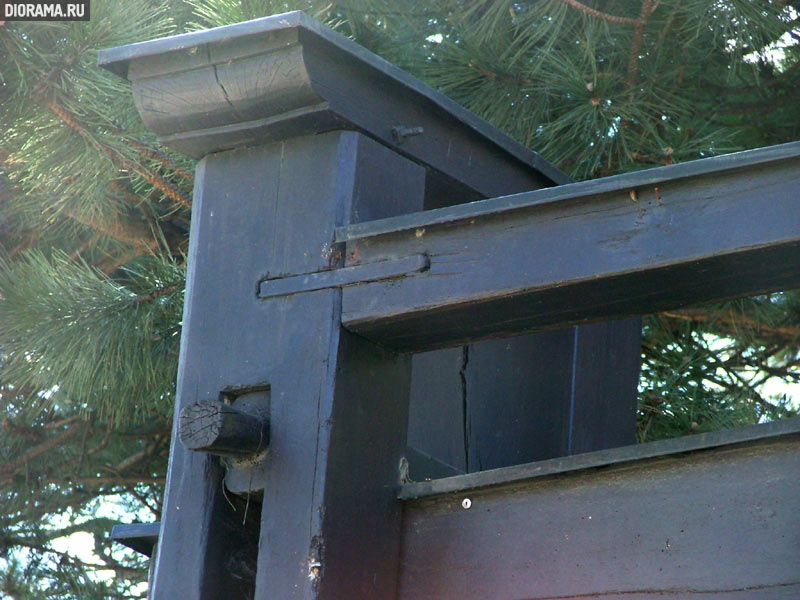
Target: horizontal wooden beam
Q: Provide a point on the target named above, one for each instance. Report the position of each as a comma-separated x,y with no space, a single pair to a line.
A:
626,245
719,521
526,473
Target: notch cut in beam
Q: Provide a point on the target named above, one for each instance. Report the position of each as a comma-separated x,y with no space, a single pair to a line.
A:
626,245
362,273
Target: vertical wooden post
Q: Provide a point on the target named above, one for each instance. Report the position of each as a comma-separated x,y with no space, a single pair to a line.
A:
329,514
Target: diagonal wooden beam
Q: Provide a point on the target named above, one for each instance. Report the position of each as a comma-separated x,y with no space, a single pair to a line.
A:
625,245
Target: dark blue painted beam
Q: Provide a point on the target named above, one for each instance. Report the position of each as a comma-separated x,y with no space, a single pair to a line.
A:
626,245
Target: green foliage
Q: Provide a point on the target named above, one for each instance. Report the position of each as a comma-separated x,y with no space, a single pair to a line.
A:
94,219
93,223
48,576
55,64
215,13
570,85
90,340
68,582
710,368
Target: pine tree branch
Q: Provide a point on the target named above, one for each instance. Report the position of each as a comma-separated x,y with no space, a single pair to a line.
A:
654,160
9,542
733,323
743,384
84,439
66,63
769,104
516,79
103,443
116,480
14,393
663,35
61,422
132,491
111,263
76,500
129,231
97,482
173,237
159,293
23,431
93,239
53,467
148,151
668,24
682,69
29,240
750,88
160,157
126,230
638,38
784,373
46,446
127,463
601,15
169,190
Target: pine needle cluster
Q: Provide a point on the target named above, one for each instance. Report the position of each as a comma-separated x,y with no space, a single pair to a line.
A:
108,346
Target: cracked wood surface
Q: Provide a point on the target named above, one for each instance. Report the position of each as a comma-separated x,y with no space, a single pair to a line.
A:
288,75
220,429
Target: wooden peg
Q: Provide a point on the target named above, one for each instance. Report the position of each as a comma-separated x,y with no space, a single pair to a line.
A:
221,429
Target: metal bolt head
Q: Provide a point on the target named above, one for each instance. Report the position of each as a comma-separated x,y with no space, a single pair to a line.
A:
401,132
466,503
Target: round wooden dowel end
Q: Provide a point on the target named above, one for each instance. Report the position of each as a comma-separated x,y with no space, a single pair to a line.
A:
220,429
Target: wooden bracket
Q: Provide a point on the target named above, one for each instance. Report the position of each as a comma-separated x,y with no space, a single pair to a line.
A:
141,537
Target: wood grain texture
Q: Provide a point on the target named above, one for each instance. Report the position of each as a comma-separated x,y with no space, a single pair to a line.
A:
505,402
220,429
552,394
206,545
606,367
518,399
719,524
436,419
544,263
625,183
